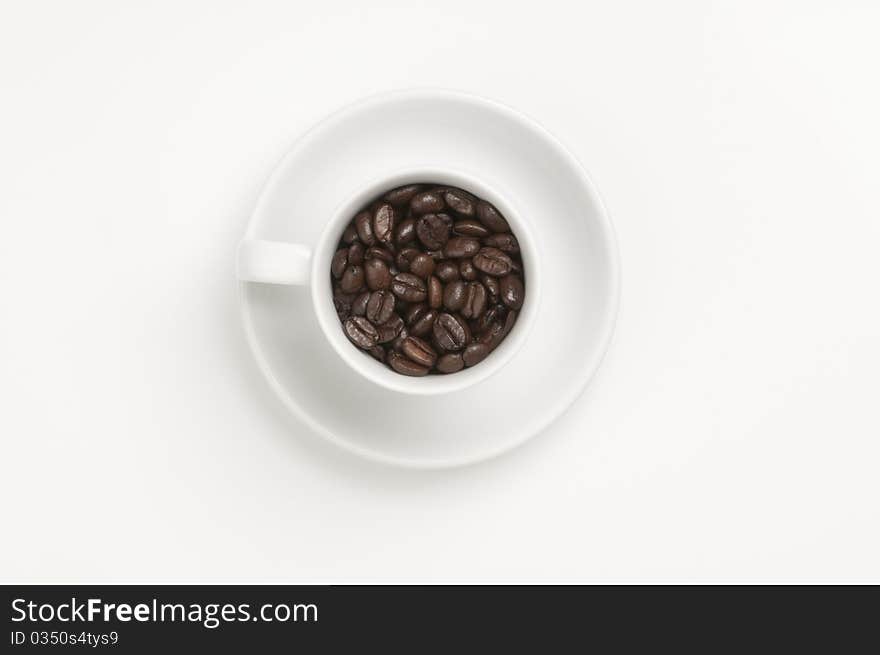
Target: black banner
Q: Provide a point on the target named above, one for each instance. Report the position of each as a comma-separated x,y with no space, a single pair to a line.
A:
141,619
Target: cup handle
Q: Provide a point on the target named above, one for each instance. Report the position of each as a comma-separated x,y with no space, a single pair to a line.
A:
273,262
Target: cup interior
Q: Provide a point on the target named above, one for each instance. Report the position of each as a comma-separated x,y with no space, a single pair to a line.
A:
378,373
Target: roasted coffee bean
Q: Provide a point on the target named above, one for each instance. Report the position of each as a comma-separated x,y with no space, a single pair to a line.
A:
475,353
406,232
361,332
446,271
419,351
497,331
468,335
359,306
491,217
467,270
508,323
426,203
512,291
491,336
356,253
427,279
492,261
363,223
413,312
450,332
397,342
492,286
380,306
342,303
460,202
377,274
350,235
379,253
406,366
470,228
504,242
389,330
409,287
494,314
475,301
402,194
424,323
458,247
422,265
454,295
435,292
352,279
405,257
378,353
432,231
339,263
450,363
383,222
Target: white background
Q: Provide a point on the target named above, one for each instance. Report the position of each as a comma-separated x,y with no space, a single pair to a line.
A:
732,433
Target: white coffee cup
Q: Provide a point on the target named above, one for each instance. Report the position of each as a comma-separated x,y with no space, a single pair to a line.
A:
277,262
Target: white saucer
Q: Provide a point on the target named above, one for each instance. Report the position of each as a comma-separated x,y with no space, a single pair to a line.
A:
579,260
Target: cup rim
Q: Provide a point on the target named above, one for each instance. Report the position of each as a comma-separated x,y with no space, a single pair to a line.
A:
377,372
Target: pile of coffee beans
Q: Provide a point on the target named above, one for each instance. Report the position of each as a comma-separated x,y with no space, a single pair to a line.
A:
428,279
